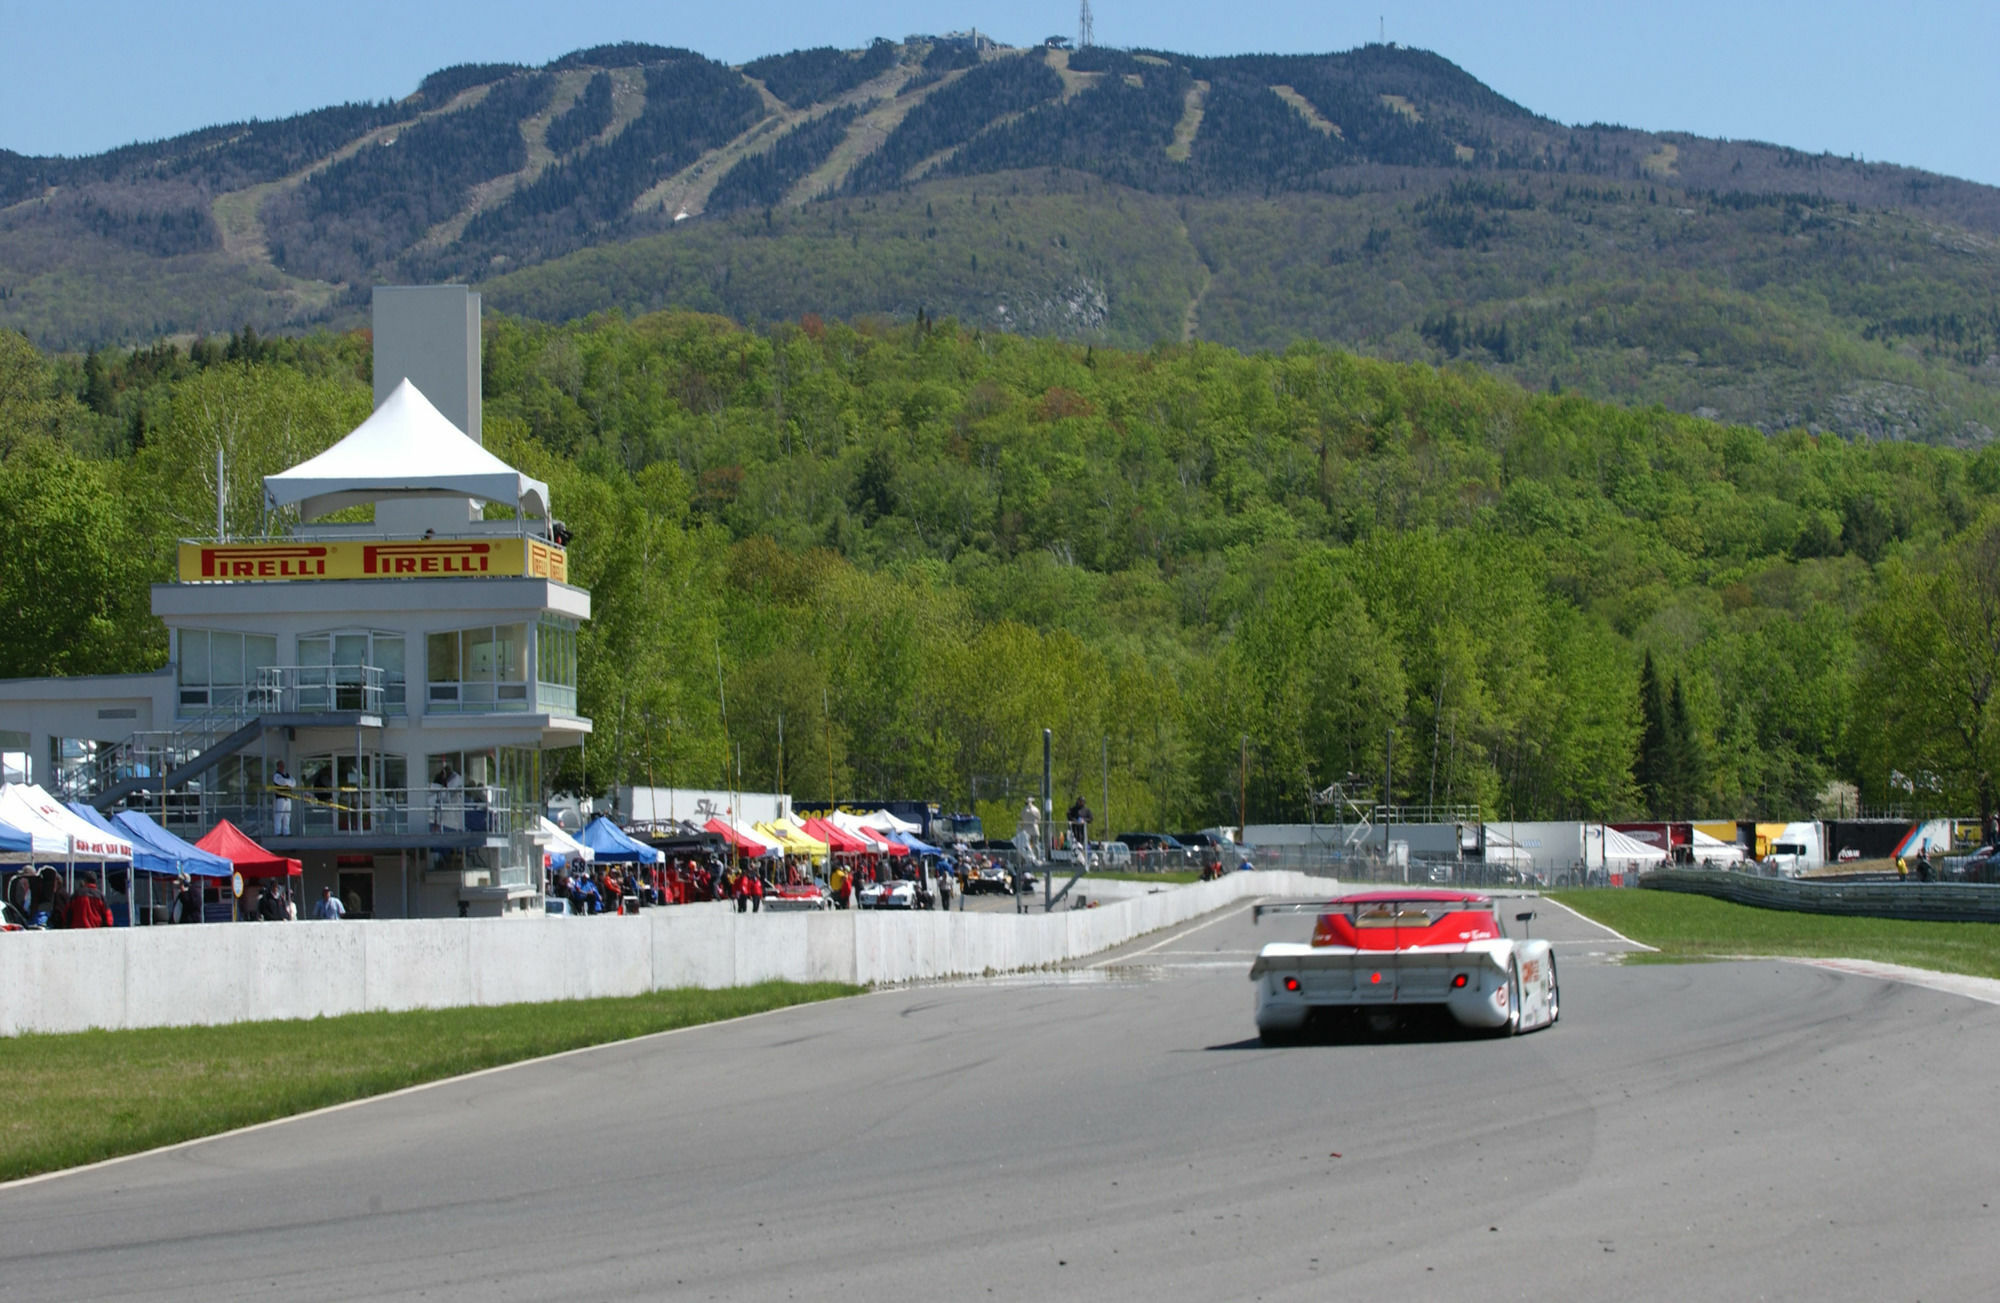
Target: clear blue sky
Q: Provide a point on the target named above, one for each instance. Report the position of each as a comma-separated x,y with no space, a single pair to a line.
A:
1911,82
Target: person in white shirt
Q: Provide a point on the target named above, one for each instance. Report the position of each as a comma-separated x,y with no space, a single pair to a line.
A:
281,802
329,906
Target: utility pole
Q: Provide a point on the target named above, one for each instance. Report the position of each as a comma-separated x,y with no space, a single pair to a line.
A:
828,715
1242,785
1388,788
1048,812
1086,31
1105,834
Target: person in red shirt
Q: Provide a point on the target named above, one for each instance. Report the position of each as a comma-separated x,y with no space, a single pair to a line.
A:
756,893
87,907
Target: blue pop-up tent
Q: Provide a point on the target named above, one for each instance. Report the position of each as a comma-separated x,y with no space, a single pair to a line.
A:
610,844
187,857
14,839
910,840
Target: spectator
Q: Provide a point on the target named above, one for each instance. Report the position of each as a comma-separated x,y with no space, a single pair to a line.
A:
329,907
281,802
87,907
269,908
187,902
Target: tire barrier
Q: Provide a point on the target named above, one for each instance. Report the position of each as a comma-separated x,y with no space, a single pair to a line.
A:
1936,902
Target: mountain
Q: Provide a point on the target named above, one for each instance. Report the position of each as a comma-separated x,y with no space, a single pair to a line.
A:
1381,199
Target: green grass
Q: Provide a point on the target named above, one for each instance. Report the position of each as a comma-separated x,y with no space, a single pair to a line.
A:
93,1095
1686,927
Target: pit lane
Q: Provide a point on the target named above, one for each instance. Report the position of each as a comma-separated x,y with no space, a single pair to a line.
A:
1756,1129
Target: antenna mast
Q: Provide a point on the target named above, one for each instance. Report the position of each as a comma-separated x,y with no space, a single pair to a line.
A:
1086,32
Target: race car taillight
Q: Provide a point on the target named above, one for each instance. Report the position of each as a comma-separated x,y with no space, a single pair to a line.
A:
1375,978
1291,984
1458,982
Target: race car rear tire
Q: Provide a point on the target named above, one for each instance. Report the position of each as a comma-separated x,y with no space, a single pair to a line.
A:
1513,1023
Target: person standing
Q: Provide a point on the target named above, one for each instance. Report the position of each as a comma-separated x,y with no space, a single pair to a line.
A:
329,907
268,908
187,902
1079,828
87,907
281,801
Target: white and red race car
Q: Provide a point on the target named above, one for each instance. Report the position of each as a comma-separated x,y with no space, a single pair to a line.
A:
1378,956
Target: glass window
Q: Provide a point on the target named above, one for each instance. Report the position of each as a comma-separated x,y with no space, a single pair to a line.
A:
389,657
316,650
194,657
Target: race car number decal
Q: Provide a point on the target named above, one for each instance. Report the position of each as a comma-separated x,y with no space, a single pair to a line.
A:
1529,969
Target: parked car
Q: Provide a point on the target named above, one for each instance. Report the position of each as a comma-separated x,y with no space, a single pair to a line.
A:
1157,851
1112,855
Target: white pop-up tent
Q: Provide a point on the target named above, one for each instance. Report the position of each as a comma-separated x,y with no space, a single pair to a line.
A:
1713,850
406,449
557,842
883,821
1628,852
58,831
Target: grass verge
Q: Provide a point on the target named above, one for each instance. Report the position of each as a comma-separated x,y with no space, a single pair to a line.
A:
1685,926
87,1096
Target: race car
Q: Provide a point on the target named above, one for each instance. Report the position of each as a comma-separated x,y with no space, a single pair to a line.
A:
1378,957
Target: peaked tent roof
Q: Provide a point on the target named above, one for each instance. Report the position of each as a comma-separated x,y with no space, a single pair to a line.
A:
1630,850
557,842
751,845
29,808
839,838
250,859
148,838
612,846
407,448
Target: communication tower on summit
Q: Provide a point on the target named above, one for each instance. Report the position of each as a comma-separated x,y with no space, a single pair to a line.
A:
1086,34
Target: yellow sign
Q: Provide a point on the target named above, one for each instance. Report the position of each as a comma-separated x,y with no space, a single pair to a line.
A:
440,558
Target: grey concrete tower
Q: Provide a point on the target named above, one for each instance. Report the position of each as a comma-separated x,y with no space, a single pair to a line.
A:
429,334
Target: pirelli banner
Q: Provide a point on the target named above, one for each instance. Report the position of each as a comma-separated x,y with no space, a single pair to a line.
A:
503,558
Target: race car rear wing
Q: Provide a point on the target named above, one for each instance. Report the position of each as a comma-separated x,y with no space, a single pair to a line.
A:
1257,912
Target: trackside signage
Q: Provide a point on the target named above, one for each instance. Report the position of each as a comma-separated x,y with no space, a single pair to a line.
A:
416,559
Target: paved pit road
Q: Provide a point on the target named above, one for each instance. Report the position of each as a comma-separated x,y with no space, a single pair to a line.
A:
1737,1130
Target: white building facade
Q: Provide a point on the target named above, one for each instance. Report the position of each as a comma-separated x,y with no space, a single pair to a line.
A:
379,700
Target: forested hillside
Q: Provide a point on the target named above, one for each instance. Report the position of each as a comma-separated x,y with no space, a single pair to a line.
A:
1380,200
920,544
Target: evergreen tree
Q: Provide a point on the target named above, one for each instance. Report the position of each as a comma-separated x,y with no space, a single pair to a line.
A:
1650,773
1686,776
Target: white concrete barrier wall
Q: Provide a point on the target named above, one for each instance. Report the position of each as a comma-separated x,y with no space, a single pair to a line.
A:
180,976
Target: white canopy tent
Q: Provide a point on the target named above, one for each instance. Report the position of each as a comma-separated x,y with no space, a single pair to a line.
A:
853,824
405,449
555,841
1713,850
1629,852
883,821
66,835
58,828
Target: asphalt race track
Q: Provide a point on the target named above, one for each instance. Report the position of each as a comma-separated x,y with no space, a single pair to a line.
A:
1745,1130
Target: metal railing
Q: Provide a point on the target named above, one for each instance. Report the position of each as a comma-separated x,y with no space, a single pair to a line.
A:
453,813
317,690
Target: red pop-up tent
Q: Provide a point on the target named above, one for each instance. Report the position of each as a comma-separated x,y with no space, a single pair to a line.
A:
838,838
250,859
